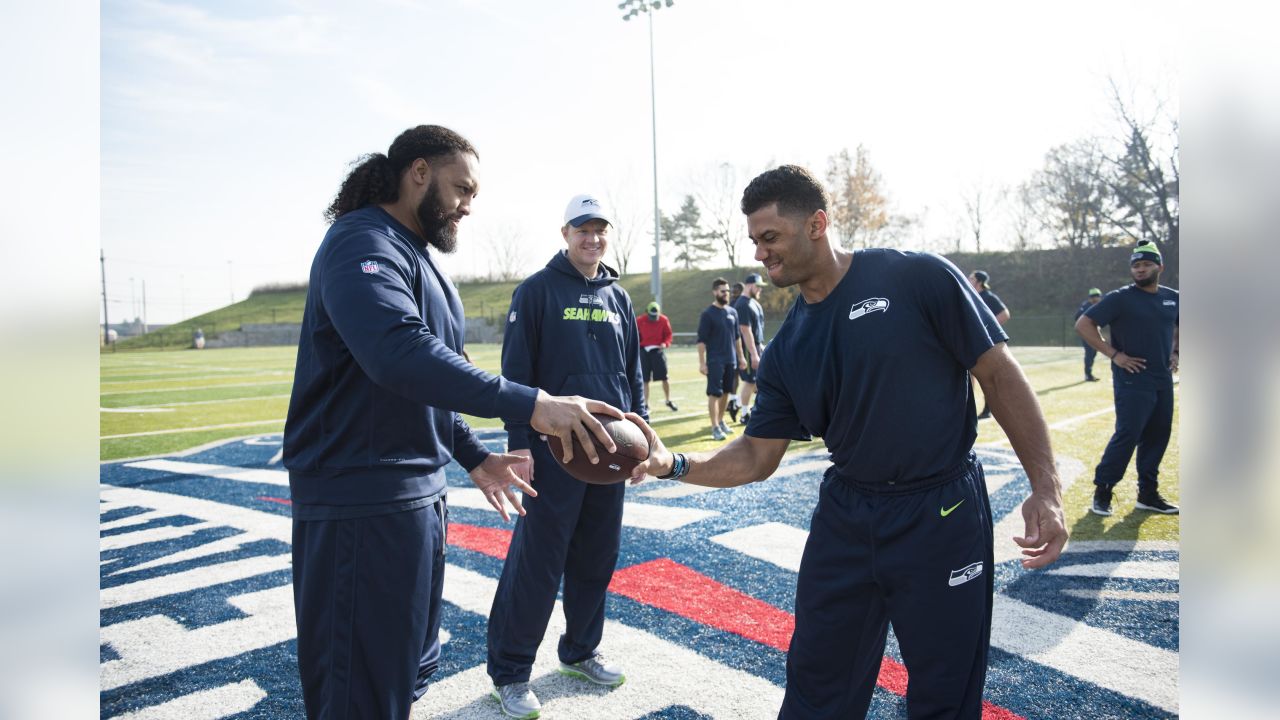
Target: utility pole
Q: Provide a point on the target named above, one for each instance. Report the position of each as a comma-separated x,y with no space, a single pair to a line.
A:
144,306
231,283
106,323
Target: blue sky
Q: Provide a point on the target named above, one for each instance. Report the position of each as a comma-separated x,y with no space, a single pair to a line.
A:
227,127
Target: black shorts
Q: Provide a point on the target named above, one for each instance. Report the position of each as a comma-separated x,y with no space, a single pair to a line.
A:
720,378
748,375
653,364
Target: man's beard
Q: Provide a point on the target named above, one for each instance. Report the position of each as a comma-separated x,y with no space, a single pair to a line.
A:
436,224
1148,281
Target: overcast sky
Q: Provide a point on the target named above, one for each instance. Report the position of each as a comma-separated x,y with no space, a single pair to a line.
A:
227,127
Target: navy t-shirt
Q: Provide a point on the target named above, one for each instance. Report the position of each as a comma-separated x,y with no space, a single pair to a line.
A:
879,369
993,301
1142,326
718,330
752,315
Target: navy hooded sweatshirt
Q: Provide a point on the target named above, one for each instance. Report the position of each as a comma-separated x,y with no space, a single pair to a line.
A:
572,336
372,419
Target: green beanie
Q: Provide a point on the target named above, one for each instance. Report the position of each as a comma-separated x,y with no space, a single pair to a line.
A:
1146,251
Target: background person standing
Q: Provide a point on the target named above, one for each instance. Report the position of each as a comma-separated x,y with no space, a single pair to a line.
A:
979,279
718,354
1089,353
1144,356
655,338
751,325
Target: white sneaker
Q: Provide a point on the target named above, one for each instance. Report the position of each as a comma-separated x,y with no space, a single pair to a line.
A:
595,669
724,428
517,700
716,433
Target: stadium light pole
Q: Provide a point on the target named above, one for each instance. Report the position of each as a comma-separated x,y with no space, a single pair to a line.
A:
649,7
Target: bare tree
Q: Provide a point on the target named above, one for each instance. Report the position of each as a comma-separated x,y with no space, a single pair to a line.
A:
717,193
506,253
1024,216
1144,182
859,205
1076,208
979,200
628,229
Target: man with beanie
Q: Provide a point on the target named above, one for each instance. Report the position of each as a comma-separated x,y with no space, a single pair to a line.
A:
980,280
1089,353
570,329
1144,356
655,338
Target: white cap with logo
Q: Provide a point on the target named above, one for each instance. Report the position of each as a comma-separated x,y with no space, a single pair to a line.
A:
583,208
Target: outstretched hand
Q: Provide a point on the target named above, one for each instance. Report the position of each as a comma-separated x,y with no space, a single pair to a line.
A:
659,460
1046,531
569,417
495,478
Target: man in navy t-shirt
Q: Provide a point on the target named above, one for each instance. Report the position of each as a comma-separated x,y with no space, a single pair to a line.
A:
718,354
751,325
874,357
1095,295
1144,356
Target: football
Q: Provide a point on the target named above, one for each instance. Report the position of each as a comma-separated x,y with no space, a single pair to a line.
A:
613,467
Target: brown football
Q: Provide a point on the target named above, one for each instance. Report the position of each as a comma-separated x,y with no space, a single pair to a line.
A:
613,467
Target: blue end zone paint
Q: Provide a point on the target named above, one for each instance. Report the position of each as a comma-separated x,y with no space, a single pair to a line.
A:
171,521
1022,686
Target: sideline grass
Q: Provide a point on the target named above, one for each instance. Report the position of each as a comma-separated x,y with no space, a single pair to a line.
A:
182,398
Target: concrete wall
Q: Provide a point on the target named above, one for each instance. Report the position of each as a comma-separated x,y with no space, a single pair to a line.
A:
257,334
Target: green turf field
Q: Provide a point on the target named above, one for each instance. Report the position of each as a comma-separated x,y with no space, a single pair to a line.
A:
163,402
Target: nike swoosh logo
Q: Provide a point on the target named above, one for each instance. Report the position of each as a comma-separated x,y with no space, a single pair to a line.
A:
947,511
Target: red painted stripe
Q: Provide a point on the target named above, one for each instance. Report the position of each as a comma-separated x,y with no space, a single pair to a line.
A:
282,501
490,541
668,585
676,588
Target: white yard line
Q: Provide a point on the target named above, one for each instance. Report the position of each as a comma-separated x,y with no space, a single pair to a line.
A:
175,431
196,387
226,472
148,408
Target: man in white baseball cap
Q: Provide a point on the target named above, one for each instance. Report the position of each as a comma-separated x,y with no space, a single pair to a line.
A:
583,208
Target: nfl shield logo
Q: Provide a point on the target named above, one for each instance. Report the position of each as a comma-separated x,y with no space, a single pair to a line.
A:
369,266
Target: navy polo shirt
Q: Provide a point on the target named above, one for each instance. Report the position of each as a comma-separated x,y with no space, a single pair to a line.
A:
879,369
718,330
1142,326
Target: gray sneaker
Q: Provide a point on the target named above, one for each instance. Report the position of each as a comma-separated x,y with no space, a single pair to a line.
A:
517,700
595,669
716,433
724,428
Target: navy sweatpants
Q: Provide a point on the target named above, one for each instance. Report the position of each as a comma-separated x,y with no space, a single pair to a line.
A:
1144,420
1089,355
872,560
366,592
570,530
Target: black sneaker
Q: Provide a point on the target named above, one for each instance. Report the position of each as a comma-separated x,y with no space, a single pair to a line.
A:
733,408
1155,503
1090,378
746,417
986,413
672,406
1101,501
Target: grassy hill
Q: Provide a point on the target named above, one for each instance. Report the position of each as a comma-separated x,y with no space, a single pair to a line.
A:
1042,288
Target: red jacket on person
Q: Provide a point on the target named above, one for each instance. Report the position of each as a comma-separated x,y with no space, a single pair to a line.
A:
654,332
